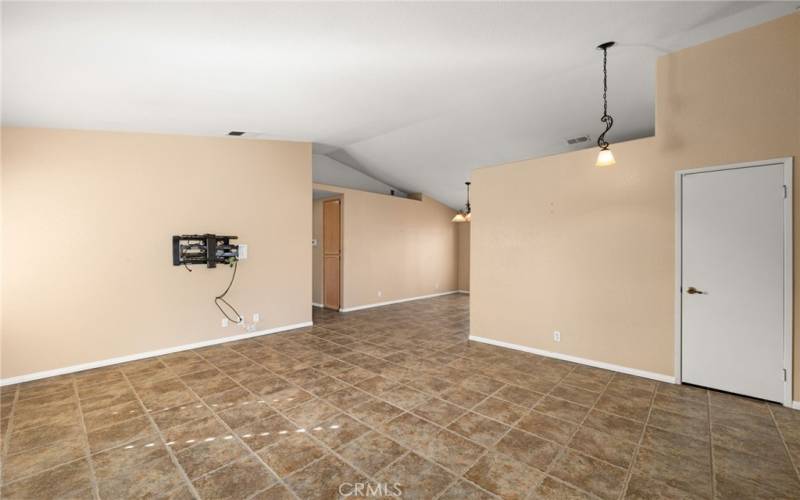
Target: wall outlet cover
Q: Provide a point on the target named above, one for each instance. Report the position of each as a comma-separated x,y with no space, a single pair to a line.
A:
557,336
225,322
256,317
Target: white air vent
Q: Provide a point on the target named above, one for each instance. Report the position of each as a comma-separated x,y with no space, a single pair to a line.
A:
578,140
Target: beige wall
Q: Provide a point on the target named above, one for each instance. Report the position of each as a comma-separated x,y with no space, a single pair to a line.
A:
559,244
403,248
88,220
463,256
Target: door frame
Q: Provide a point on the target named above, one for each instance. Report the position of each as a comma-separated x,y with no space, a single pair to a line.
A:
788,277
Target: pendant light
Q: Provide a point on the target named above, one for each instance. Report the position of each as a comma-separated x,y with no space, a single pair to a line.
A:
605,158
466,214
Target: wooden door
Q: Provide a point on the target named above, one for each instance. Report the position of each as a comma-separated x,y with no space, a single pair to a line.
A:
332,253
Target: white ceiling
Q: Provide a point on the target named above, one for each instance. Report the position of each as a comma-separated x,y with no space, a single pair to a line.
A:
414,94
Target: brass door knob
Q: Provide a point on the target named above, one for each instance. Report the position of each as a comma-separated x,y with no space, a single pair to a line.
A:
692,290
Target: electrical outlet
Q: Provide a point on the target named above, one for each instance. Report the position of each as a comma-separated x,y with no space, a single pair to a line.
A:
380,294
256,317
557,336
225,322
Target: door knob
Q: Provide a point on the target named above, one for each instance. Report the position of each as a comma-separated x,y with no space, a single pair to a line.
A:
692,290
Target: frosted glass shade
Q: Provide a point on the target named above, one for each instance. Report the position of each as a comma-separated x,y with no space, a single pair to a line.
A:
605,158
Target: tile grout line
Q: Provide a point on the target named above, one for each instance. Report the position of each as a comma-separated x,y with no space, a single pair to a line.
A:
352,385
711,447
578,425
466,410
339,411
170,453
229,428
424,456
635,457
104,426
561,446
236,436
408,449
565,446
380,432
48,469
86,448
37,448
9,431
528,409
367,425
151,420
352,345
486,449
796,466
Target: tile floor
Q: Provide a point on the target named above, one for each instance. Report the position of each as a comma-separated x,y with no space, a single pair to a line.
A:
385,398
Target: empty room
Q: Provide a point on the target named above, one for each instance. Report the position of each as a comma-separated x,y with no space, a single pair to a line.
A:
419,250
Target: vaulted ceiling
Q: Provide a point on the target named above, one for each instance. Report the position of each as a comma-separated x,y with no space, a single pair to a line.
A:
413,94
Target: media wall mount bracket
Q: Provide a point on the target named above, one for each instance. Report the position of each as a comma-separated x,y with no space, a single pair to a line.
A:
208,249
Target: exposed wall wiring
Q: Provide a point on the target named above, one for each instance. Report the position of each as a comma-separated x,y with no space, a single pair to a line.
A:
221,297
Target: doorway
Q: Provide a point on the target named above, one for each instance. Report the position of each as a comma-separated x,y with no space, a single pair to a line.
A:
734,278
332,254
327,255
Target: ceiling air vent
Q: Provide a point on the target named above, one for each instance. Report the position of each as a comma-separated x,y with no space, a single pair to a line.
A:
235,132
578,140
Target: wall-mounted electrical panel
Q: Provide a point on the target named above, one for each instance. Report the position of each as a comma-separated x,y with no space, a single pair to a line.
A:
207,249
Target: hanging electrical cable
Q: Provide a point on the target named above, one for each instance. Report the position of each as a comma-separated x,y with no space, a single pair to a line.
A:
221,297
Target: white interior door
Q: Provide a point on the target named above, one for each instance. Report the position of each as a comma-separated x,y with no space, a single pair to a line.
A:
732,281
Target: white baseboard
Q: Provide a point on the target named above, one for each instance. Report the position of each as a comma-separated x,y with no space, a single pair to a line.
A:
134,357
583,361
390,302
796,405
314,304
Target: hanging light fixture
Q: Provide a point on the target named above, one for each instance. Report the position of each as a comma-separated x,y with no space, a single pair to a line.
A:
466,214
605,158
